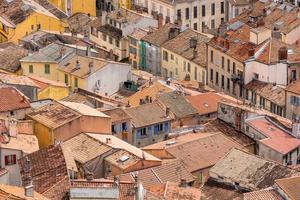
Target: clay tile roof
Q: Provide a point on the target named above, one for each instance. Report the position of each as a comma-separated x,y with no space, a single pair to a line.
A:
138,34
9,192
123,15
54,115
239,2
23,142
12,99
171,191
44,82
46,168
197,151
143,115
12,79
269,194
275,94
181,46
172,171
207,102
251,172
275,138
159,36
11,61
294,87
290,186
154,91
117,114
178,104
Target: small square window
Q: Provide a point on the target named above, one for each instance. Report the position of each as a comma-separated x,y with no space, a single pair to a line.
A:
47,69
30,69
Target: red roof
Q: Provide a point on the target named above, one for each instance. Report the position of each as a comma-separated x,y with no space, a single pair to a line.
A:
277,139
207,102
12,99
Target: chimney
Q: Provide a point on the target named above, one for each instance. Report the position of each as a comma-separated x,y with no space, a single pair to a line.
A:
183,183
167,111
173,32
89,176
282,54
138,189
108,140
226,44
29,192
88,51
251,53
91,65
77,64
160,20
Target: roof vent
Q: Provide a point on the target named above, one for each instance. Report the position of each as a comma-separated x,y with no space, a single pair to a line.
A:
123,158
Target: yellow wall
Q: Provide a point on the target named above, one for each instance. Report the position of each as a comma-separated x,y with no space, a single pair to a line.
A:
39,70
82,83
78,6
175,67
53,92
30,25
125,4
43,135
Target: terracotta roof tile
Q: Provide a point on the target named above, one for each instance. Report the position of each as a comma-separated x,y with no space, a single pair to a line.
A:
159,36
269,194
294,87
290,186
9,192
117,114
12,99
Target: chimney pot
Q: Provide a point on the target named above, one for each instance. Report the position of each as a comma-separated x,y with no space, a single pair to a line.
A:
29,192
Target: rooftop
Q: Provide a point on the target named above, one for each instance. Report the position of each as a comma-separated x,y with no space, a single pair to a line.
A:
178,104
249,171
275,94
12,79
196,150
153,91
172,171
269,194
51,54
139,34
294,87
46,168
143,115
23,142
43,83
117,114
11,61
123,15
181,46
12,99
172,191
10,192
207,103
275,138
290,186
159,36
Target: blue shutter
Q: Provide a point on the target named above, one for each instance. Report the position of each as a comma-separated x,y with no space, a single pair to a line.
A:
166,129
297,101
150,130
138,133
156,129
292,100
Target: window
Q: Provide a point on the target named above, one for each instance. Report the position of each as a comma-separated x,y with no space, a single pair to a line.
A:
222,20
189,67
178,14
223,62
262,102
31,69
187,13
256,76
117,43
132,50
76,82
228,84
38,27
184,66
211,56
203,10
195,73
113,129
211,75
165,55
32,27
115,24
124,126
195,26
104,37
294,77
47,69
228,65
195,12
166,128
222,81
66,79
212,23
158,128
143,132
133,42
203,26
241,91
233,68
222,8
172,57
213,9
110,40
294,100
10,159
217,78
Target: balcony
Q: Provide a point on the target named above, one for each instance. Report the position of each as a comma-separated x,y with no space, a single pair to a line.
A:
237,78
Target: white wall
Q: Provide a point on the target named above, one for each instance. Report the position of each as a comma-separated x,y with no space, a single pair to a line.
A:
144,22
267,73
111,76
13,170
